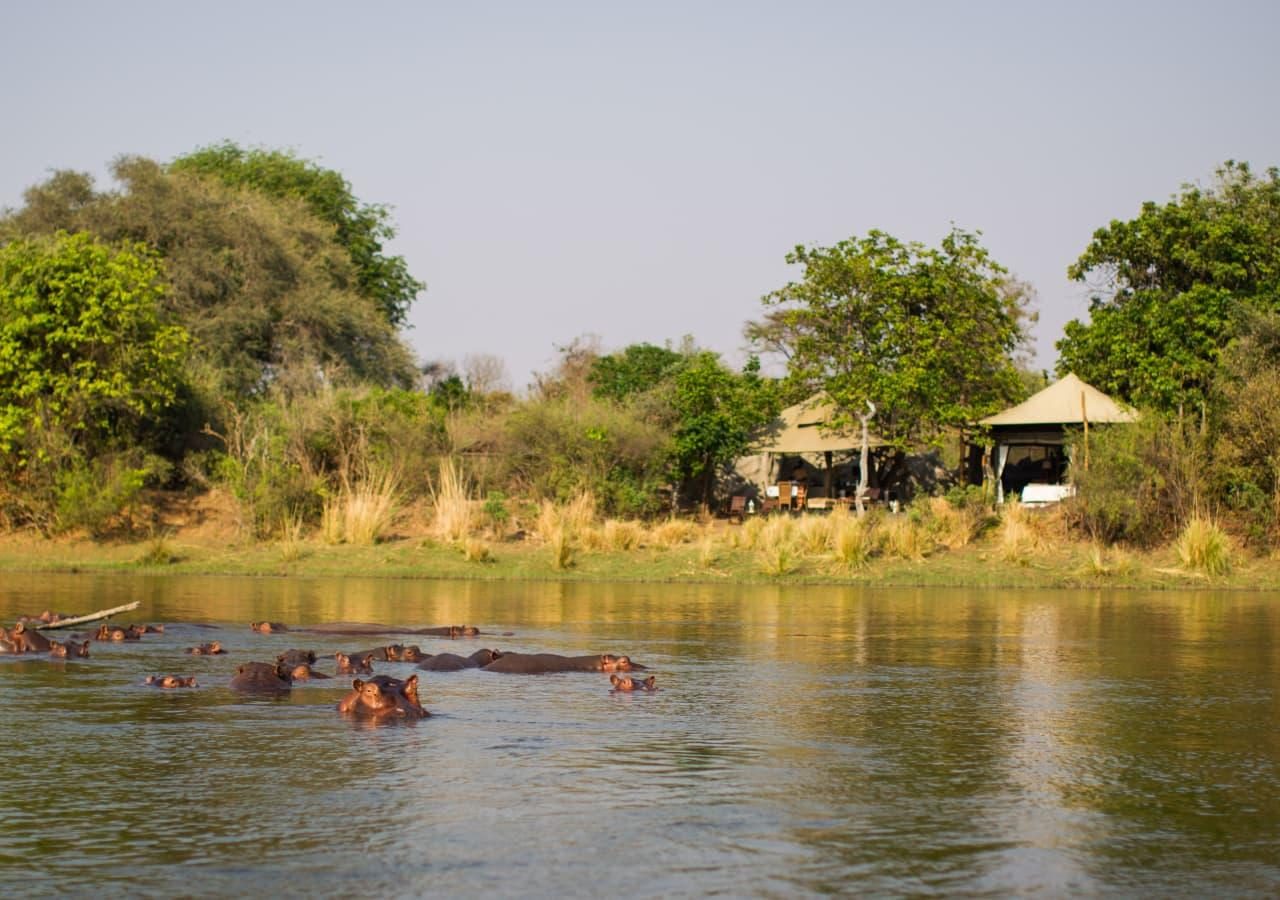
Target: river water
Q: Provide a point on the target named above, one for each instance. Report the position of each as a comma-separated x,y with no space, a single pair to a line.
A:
803,741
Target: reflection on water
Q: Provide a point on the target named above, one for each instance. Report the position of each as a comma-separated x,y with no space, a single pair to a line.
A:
801,741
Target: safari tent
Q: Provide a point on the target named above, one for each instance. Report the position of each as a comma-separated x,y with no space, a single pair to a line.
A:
804,431
1029,439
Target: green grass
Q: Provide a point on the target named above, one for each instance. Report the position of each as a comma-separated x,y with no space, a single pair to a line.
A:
977,565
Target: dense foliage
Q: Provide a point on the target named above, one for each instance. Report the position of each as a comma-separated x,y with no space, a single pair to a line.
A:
361,228
1172,286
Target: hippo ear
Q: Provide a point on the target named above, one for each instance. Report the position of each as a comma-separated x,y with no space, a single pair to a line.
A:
650,682
614,679
411,681
357,684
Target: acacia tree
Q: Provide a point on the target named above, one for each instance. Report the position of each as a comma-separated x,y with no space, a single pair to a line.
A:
360,228
929,335
1170,287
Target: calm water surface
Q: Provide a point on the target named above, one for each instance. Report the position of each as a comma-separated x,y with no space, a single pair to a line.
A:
803,741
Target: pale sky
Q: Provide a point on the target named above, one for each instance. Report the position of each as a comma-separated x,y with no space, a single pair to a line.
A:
638,171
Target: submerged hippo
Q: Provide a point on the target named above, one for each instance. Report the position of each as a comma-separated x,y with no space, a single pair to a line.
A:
452,662
268,627
353,664
545,663
170,681
296,657
626,684
304,672
213,648
262,677
69,649
383,696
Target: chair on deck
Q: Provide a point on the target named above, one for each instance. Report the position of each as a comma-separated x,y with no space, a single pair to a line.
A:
802,496
737,507
784,495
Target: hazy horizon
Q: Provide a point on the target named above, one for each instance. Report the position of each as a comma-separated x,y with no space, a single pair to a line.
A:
640,173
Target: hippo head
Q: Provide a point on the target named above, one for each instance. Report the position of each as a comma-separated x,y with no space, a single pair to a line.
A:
412,653
56,649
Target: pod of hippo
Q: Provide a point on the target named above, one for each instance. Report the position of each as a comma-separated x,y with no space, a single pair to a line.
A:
379,697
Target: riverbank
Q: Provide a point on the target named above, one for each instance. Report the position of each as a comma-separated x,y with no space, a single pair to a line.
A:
717,552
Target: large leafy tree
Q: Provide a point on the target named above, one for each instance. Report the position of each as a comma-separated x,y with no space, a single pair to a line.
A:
632,370
360,228
716,413
84,342
928,335
268,296
1171,287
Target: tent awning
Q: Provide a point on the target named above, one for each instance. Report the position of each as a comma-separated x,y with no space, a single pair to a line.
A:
804,428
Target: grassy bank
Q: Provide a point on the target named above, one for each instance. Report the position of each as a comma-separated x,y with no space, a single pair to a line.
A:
1018,551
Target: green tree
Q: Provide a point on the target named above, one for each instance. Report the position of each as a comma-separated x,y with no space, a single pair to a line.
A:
268,297
83,342
717,411
632,370
1170,287
361,229
929,335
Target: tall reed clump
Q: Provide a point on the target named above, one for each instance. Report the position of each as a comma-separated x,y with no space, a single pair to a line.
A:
369,506
618,536
954,526
853,540
1020,535
1107,562
905,537
775,547
1204,547
672,532
813,534
292,548
454,516
748,536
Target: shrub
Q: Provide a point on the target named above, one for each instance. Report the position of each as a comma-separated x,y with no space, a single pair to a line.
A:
1143,480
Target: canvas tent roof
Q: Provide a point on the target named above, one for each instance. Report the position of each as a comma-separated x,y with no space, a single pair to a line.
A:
1060,404
800,429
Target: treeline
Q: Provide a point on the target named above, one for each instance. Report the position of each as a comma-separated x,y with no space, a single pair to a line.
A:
232,318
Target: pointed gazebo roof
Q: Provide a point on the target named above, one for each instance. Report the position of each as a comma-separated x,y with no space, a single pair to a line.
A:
1068,401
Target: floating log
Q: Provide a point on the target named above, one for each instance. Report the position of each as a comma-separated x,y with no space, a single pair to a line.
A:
88,617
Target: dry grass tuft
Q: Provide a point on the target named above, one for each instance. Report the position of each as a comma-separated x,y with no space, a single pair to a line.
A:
954,527
563,550
853,540
906,538
292,547
476,550
454,514
673,532
1022,533
1204,547
1107,562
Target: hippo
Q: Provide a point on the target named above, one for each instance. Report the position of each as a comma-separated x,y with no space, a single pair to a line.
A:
452,662
28,640
350,664
296,657
262,677
449,631
304,672
384,697
170,681
116,633
213,648
268,627
627,684
390,652
69,648
544,663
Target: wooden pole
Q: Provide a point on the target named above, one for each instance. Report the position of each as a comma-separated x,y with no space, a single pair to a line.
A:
1084,417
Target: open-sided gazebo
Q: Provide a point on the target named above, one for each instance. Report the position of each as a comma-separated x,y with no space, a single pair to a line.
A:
1029,438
